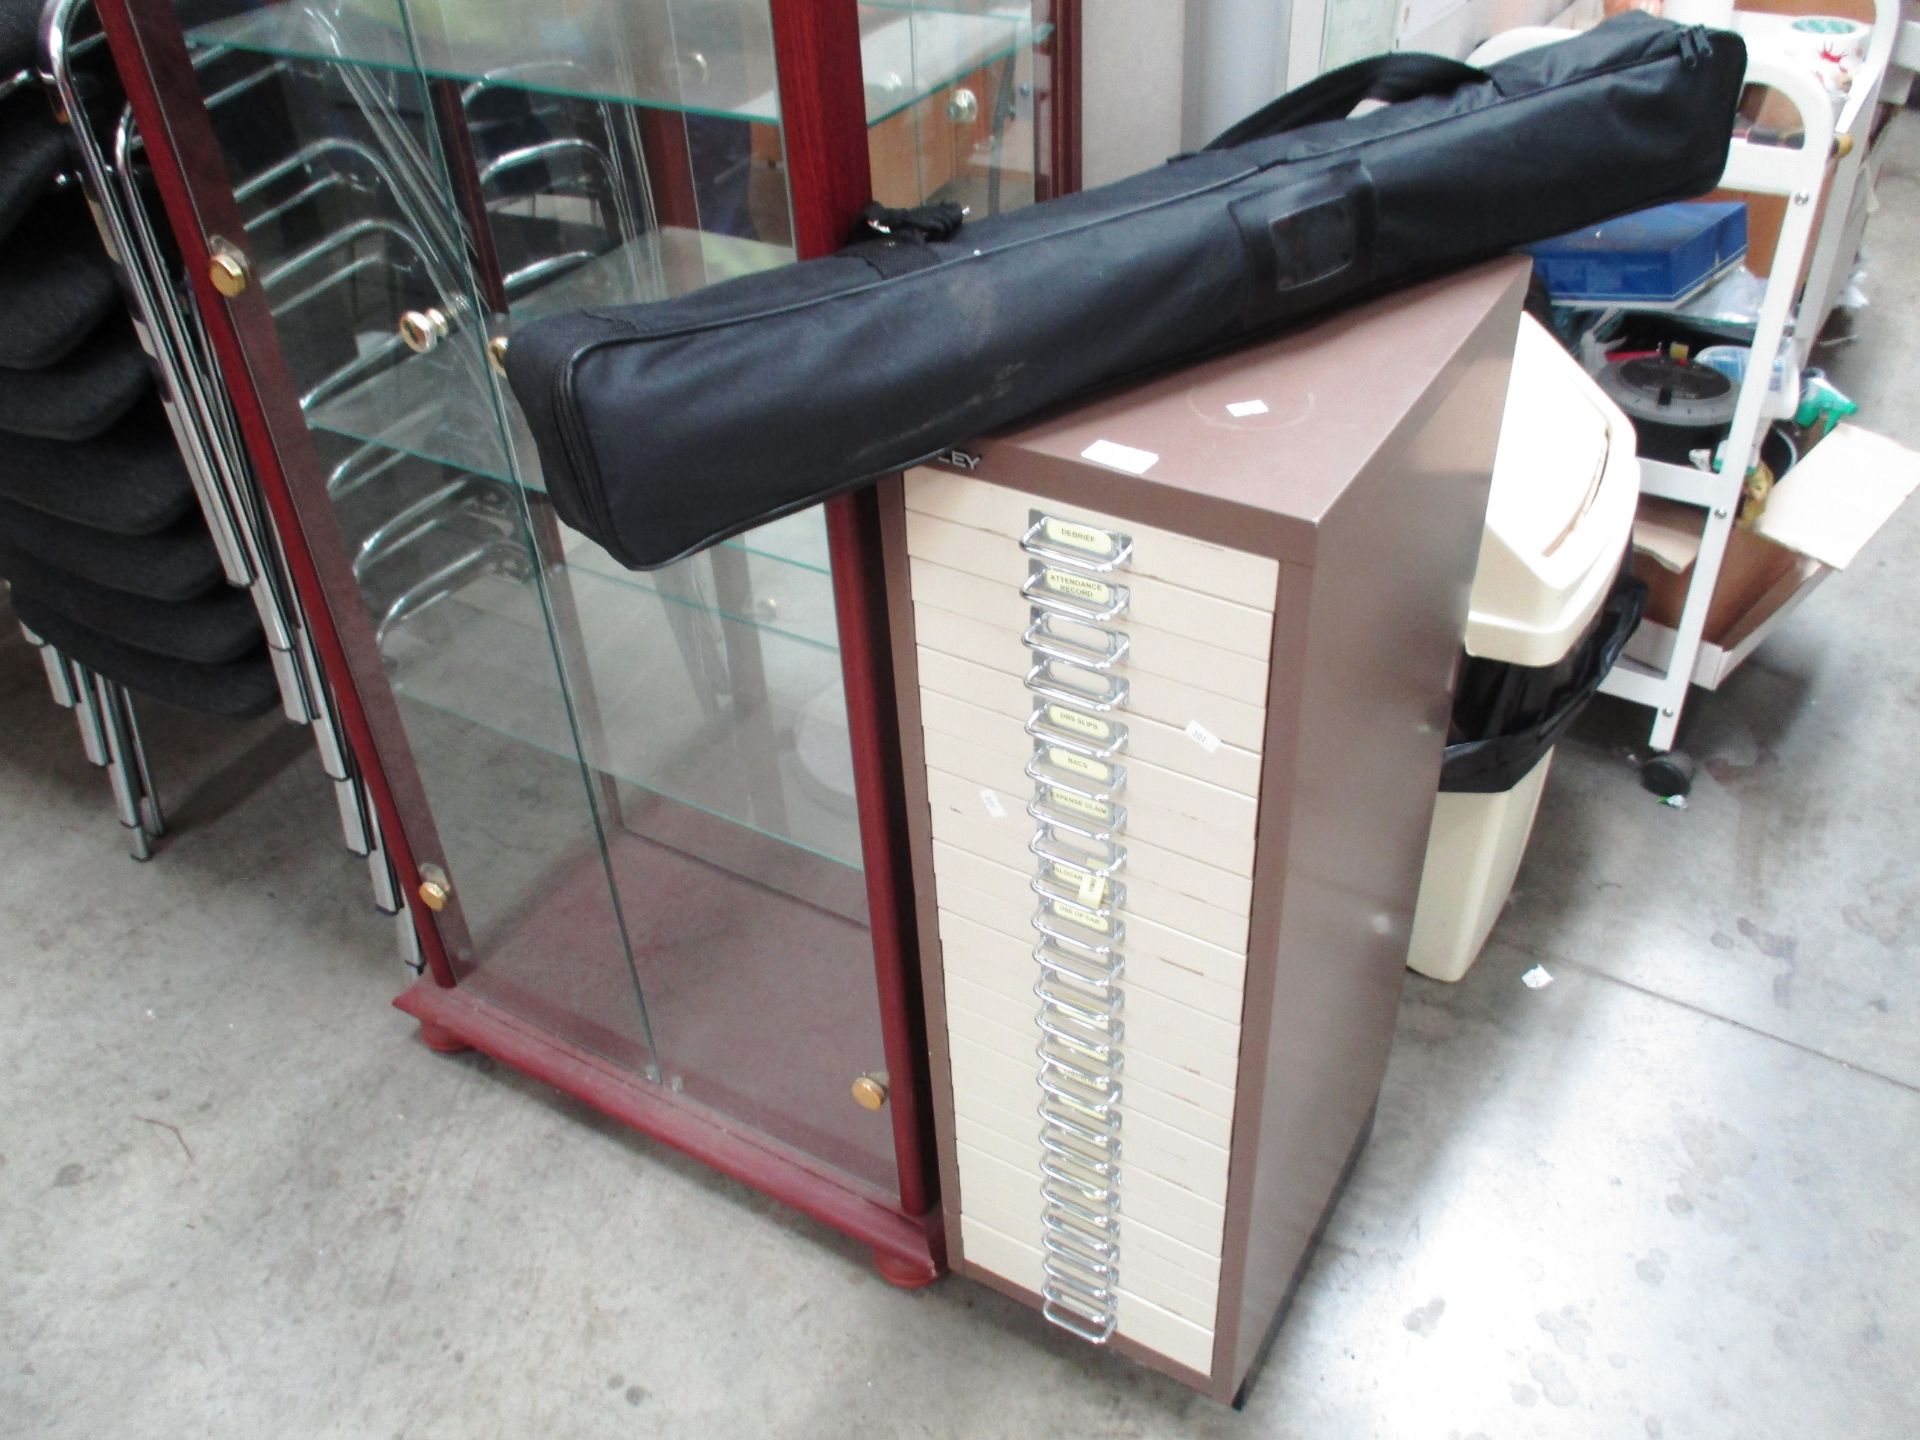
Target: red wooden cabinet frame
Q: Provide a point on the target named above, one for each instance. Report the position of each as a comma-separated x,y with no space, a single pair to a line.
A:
818,59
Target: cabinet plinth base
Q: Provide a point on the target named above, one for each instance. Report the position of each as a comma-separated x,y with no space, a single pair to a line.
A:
905,1273
441,1040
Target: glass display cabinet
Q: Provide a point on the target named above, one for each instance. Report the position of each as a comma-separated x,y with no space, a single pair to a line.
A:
650,821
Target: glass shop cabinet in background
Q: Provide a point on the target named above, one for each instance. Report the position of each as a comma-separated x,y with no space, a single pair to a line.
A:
650,822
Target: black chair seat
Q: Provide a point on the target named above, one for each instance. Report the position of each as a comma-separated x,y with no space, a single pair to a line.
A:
33,151
56,285
238,688
84,395
179,563
130,481
218,626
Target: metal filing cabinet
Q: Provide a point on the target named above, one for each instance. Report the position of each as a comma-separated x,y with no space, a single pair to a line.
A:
1174,673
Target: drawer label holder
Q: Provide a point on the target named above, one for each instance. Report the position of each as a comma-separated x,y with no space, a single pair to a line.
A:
1076,804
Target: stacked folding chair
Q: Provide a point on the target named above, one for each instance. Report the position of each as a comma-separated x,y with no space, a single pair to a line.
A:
131,534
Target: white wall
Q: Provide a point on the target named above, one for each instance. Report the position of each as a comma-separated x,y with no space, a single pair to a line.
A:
1131,55
1162,76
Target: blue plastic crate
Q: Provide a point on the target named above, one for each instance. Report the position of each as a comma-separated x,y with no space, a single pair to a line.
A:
1651,257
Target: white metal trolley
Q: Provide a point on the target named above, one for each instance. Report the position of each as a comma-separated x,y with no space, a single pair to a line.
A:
1664,660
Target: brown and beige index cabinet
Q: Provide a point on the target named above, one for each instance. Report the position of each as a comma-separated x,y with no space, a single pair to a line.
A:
1174,672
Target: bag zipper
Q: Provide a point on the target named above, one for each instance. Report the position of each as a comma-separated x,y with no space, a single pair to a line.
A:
574,446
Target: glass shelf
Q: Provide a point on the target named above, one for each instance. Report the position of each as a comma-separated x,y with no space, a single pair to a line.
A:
701,57
439,406
662,714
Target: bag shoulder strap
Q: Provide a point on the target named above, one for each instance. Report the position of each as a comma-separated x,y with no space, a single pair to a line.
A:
1405,75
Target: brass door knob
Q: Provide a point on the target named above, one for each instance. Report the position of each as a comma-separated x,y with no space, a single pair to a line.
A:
435,889
870,1091
227,268
497,354
963,106
423,329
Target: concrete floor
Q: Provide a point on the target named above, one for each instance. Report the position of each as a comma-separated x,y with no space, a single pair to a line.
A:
1674,1194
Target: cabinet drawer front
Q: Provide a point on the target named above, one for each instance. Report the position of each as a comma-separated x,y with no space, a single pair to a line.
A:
1002,1022
1092,712
1151,785
958,803
1243,629
1007,514
1154,697
1175,1212
972,879
1151,740
1158,652
1203,1045
1006,848
1139,1320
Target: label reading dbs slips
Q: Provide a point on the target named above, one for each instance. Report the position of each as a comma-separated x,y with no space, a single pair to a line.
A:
1079,915
1079,805
1075,723
1078,587
1070,536
1078,764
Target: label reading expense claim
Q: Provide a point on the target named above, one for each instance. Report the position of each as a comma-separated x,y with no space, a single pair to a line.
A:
1070,536
1078,764
1075,723
1079,804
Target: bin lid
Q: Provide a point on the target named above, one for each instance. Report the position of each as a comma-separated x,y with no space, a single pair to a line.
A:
1560,512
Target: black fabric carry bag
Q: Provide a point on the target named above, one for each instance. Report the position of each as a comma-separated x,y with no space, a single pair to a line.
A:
663,428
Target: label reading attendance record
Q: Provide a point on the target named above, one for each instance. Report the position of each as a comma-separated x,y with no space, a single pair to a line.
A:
1078,587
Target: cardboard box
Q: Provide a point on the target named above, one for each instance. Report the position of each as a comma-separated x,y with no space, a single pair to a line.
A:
1822,511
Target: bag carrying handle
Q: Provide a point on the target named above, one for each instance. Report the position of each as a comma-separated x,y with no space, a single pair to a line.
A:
1406,75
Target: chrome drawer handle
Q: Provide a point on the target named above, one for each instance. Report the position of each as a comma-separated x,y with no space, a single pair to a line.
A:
1091,1189
1087,787
1086,735
1080,1006
1071,1242
1105,1167
1101,1131
1102,1108
1048,921
1099,830
1095,975
1094,1327
1039,638
1067,542
1078,1061
1074,595
1042,681
1107,907
1046,845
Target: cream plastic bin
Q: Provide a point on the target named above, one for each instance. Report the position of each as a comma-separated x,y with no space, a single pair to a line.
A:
1559,517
